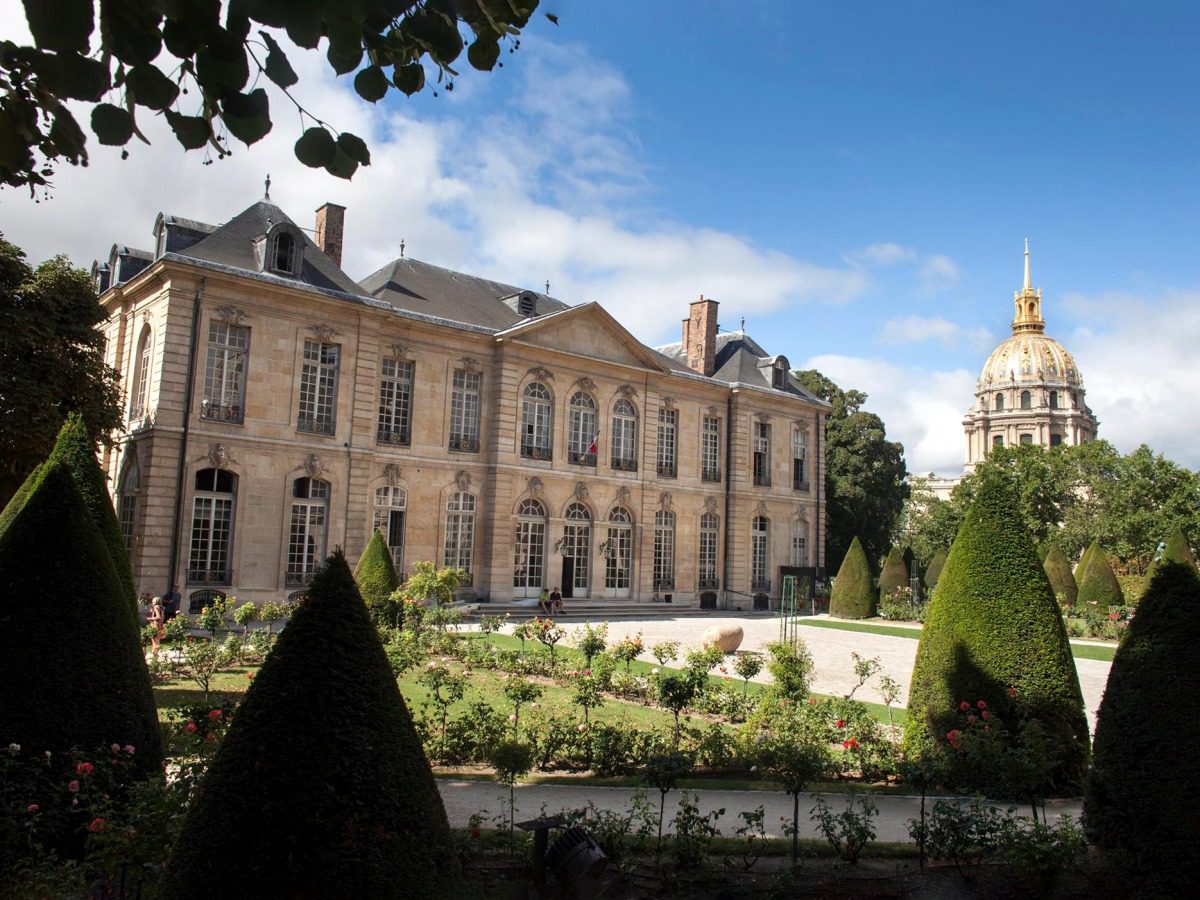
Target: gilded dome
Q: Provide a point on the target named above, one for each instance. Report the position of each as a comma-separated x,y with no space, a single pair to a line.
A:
1030,357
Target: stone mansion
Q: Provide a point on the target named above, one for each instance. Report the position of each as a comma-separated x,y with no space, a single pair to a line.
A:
277,409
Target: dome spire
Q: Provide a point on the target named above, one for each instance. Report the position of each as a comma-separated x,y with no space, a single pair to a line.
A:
1028,303
1028,280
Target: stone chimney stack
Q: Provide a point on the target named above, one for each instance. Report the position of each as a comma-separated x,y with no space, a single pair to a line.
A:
331,222
700,336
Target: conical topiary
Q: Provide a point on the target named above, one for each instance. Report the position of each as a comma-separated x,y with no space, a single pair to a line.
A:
1177,550
894,574
321,787
994,633
854,595
71,662
1142,793
934,572
1081,566
1058,570
375,573
1098,586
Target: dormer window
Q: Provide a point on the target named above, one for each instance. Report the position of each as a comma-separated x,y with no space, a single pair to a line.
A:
779,374
526,305
284,255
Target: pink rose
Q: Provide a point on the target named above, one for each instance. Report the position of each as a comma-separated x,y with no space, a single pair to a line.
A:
73,786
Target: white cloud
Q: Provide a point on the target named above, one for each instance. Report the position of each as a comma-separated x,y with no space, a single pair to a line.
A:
922,408
883,254
916,329
937,273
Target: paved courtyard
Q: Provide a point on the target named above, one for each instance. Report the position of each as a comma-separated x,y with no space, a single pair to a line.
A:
830,648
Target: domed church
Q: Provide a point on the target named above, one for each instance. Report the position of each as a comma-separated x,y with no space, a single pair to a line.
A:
1030,390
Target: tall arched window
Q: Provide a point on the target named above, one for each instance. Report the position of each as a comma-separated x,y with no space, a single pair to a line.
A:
460,533
618,553
799,543
760,544
127,494
999,402
209,558
308,529
1054,399
710,525
391,508
576,550
624,437
583,435
139,399
664,550
1026,400
529,554
536,422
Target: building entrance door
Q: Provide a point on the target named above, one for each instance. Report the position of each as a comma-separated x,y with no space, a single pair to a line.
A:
568,577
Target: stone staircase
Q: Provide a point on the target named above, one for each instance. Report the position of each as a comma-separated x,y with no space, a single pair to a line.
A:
597,610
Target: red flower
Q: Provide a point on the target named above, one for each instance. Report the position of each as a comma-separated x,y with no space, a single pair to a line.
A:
849,744
475,832
32,807
84,768
212,738
981,704
953,735
1012,692
97,824
840,723
812,702
964,706
190,727
73,786
214,715
986,715
971,720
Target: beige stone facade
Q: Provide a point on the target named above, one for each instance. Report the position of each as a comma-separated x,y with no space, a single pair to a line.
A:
278,410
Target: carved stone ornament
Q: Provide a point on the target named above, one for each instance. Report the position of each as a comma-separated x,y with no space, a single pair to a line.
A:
322,332
313,466
469,363
668,402
219,456
585,383
628,391
399,351
761,509
623,495
710,505
763,417
541,373
392,474
534,485
463,480
713,411
230,315
664,499
581,491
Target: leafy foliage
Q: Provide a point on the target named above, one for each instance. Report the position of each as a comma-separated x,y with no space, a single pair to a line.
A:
428,582
854,595
1062,580
70,655
934,570
864,472
994,632
1098,586
894,573
376,577
51,361
1142,794
206,82
321,787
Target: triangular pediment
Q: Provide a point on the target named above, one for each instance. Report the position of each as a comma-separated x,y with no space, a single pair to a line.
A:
586,330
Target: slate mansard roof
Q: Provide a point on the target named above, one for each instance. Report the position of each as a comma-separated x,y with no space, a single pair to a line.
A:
741,360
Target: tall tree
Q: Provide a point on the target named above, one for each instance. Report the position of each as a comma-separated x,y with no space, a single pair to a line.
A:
209,81
865,484
51,361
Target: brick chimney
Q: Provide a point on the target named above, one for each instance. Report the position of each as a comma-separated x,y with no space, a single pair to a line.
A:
700,336
331,222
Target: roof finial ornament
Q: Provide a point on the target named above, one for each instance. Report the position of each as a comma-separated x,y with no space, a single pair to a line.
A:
267,188
1028,280
402,248
743,328
547,286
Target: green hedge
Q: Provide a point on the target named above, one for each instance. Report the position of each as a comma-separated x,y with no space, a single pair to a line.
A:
854,595
1081,566
1177,550
934,572
1058,570
1098,585
1143,795
375,573
994,625
71,664
321,788
894,574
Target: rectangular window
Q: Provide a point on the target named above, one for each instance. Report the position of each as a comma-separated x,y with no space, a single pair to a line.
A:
664,551
760,578
306,542
1026,439
668,421
708,552
395,403
710,448
225,373
460,538
126,512
212,524
762,454
318,387
464,411
997,440
1056,440
800,545
799,460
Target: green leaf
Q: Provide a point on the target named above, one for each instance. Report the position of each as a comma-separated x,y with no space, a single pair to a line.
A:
72,76
68,137
371,84
217,74
113,125
354,147
279,70
342,165
149,87
344,60
132,30
304,25
247,116
189,24
484,53
237,19
192,132
437,32
64,26
409,78
316,148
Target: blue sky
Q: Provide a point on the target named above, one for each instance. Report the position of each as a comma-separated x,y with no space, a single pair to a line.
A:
856,179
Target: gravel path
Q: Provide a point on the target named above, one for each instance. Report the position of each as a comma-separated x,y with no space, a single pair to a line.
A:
830,648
